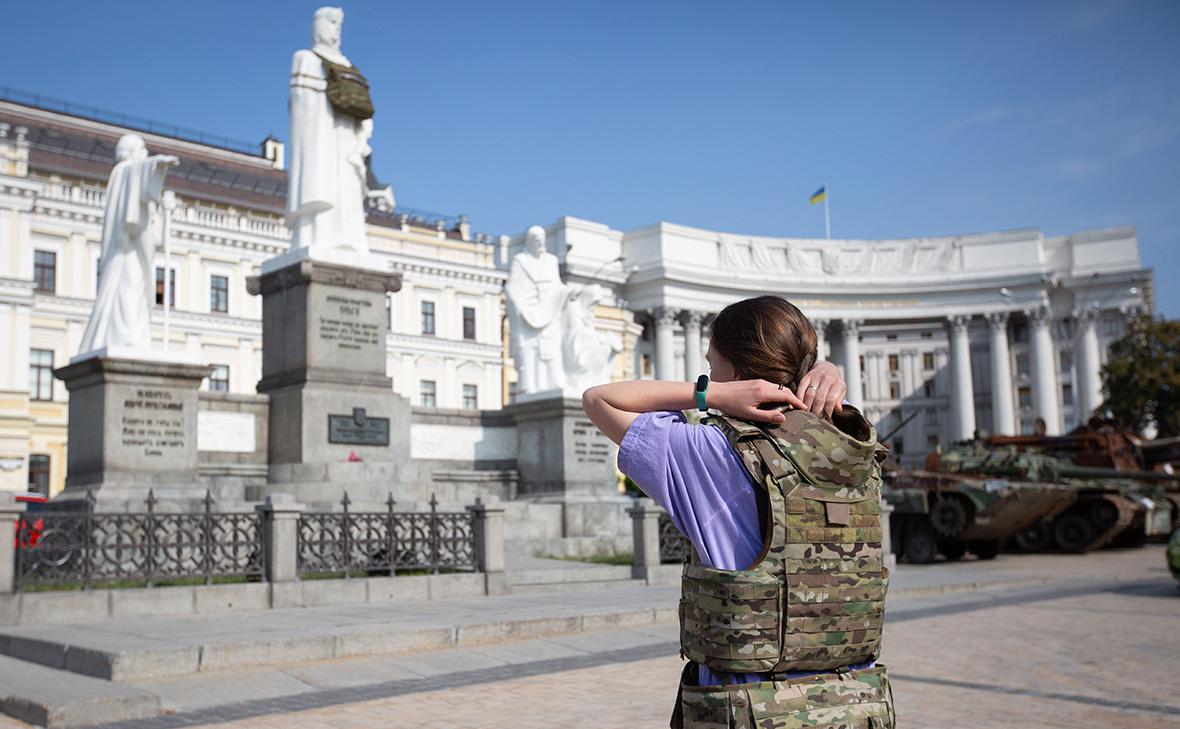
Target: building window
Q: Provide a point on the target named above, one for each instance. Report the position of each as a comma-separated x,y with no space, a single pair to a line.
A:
470,397
893,364
645,366
426,394
890,337
1027,426
894,391
1067,395
928,388
41,374
862,363
39,474
927,361
1112,326
219,379
1065,359
931,416
45,271
469,322
899,446
160,287
927,335
1020,332
428,317
1022,364
1024,397
219,294
931,443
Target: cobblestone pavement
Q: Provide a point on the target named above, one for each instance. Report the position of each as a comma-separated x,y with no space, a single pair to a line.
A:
1063,654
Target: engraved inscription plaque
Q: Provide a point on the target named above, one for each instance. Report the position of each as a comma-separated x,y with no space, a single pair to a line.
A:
151,423
358,429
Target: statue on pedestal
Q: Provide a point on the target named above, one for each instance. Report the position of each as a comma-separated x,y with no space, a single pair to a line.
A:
536,297
587,353
126,285
331,122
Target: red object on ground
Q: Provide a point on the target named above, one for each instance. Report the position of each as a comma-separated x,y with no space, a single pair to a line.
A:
23,526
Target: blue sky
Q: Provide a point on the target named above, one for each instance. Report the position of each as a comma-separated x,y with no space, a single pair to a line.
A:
923,118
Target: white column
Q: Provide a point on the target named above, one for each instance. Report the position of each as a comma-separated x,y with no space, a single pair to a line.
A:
962,394
692,345
1089,362
1003,411
665,320
1044,369
821,338
850,336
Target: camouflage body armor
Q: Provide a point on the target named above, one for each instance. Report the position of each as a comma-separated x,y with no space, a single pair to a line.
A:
815,598
348,90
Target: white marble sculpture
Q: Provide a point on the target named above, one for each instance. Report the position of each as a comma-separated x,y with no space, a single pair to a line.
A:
126,287
587,353
327,175
536,297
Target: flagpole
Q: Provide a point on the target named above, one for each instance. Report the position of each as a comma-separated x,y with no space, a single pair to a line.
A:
827,216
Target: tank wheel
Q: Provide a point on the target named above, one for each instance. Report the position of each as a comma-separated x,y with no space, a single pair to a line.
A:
948,516
986,549
952,549
921,546
1036,538
1073,533
1104,513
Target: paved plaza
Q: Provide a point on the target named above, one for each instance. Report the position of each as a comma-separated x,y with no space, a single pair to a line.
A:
1033,641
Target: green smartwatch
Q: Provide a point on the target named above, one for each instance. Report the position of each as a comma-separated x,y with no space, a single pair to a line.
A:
699,393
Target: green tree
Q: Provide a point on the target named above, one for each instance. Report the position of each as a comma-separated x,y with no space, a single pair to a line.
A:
1141,379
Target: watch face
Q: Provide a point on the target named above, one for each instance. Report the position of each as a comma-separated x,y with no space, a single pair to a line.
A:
702,383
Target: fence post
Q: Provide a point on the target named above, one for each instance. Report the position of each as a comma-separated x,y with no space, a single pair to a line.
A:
488,529
280,536
11,512
888,558
645,534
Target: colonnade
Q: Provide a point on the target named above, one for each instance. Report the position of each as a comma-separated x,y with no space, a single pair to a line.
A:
1042,351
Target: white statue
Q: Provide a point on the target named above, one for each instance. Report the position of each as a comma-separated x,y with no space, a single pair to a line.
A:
536,297
126,285
587,353
327,173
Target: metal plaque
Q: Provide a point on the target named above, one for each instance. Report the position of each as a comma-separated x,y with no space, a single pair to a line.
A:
358,429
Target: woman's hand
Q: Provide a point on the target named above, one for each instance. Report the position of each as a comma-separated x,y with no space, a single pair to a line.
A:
741,398
822,389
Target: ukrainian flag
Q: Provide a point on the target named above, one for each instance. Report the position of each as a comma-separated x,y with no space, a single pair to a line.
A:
819,195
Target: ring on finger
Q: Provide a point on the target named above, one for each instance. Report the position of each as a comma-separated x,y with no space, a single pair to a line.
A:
812,388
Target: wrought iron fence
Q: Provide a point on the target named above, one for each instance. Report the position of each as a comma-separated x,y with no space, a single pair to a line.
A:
56,547
673,545
383,542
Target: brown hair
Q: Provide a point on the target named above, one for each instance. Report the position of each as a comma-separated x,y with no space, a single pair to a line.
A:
765,338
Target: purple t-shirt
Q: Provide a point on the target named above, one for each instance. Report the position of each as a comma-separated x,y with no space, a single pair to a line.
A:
693,472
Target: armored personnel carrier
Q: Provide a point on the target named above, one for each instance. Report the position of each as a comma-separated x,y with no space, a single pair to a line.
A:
952,514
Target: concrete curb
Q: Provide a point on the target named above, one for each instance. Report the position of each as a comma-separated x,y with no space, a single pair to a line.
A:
50,698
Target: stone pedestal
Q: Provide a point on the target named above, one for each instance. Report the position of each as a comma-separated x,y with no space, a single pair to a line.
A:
563,458
335,423
133,427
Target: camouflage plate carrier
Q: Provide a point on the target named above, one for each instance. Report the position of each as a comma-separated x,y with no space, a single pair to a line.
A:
348,90
813,601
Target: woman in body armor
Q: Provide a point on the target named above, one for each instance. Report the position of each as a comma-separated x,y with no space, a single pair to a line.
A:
778,490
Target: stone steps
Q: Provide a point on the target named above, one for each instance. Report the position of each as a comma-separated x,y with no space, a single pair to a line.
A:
52,698
161,647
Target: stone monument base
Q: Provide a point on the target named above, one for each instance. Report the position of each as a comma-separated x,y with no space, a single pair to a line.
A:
335,424
562,458
132,427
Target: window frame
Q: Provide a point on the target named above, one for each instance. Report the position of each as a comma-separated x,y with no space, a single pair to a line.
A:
217,294
469,400
218,369
432,330
40,269
160,288
40,474
473,322
40,376
423,391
